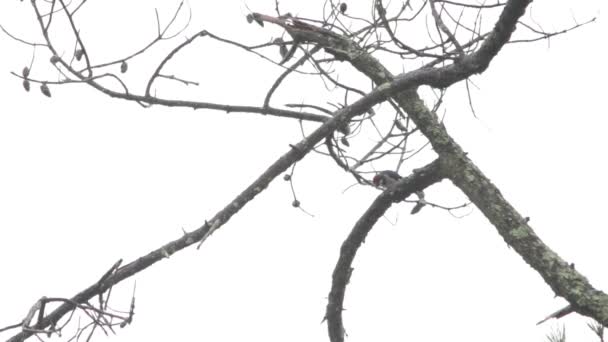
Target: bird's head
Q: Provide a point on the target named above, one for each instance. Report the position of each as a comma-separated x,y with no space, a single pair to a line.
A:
377,180
385,178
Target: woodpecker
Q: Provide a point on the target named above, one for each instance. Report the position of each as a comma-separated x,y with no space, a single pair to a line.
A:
386,178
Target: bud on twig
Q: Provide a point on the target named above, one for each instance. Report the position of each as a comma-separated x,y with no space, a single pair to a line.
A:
123,67
251,17
79,54
282,48
343,7
45,90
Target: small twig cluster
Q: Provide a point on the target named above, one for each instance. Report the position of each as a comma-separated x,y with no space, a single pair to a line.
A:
99,316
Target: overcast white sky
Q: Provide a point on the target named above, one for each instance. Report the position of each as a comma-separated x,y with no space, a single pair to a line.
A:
86,180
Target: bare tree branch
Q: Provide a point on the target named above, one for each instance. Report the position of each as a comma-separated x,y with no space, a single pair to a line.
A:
457,54
419,180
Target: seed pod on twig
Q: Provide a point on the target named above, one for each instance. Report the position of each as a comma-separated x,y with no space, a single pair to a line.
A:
55,59
44,88
282,48
251,17
26,85
78,54
124,67
344,141
343,7
25,72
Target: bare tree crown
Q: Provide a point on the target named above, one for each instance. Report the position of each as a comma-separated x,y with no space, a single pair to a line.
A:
377,80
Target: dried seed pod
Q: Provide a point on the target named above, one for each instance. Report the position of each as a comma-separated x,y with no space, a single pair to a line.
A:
55,59
252,17
417,208
343,7
25,72
344,141
295,203
26,85
282,47
44,88
78,54
287,177
124,67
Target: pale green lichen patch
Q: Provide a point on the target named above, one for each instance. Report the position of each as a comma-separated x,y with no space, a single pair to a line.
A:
548,256
470,177
519,233
496,207
383,87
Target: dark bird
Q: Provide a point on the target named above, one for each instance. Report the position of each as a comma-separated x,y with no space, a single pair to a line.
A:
387,178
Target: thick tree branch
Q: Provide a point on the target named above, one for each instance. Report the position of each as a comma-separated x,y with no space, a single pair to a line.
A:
559,275
452,163
419,180
562,278
297,152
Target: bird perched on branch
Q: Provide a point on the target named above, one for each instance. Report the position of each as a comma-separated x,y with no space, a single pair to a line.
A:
386,178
